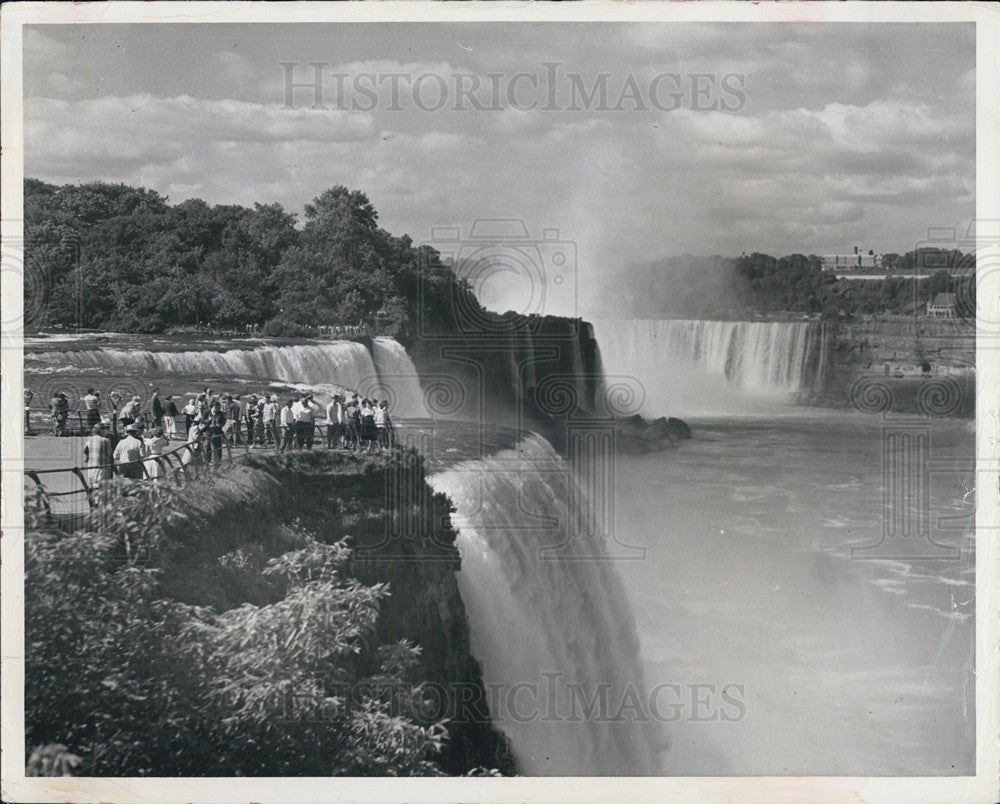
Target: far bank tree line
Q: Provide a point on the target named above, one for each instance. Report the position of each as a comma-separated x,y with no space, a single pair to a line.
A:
712,287
114,257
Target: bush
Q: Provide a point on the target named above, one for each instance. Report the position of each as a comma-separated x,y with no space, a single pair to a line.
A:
121,680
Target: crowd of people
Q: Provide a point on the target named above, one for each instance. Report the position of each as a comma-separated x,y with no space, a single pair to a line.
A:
214,422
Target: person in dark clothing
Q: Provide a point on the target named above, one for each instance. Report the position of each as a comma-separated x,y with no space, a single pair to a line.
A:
60,412
170,417
156,408
251,419
234,416
216,422
354,423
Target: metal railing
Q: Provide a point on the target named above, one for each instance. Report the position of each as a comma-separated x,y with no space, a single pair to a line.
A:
208,452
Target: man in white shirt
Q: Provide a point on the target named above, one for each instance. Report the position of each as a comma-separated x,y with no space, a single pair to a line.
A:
286,418
271,431
130,452
305,413
331,423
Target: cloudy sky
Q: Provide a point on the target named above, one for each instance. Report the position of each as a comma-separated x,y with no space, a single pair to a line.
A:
634,141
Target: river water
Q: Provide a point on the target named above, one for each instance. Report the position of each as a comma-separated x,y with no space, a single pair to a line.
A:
845,663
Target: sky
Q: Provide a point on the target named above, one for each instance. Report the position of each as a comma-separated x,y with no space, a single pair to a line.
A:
709,138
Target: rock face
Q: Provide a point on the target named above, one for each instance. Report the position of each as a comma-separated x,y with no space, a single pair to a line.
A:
521,369
900,365
401,534
537,373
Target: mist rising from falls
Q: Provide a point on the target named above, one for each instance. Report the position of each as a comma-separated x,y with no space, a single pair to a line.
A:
692,366
547,620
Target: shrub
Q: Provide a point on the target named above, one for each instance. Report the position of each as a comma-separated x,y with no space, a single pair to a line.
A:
123,681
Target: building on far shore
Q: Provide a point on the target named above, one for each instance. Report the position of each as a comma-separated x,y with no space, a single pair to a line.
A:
941,306
852,262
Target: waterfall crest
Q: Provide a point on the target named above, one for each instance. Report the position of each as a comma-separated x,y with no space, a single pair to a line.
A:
386,371
397,373
562,629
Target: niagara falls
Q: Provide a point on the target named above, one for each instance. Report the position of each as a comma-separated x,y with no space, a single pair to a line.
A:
499,402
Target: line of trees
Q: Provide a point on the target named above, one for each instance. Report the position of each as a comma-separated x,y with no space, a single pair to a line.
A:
111,256
757,283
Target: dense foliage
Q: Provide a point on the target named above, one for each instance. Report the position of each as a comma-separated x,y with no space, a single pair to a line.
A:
122,679
711,287
109,256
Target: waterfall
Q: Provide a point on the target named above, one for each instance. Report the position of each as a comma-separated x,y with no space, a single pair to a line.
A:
322,366
694,366
341,362
397,373
552,633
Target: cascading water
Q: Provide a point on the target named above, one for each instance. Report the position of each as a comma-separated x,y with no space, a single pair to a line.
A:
397,372
712,366
344,362
554,632
323,366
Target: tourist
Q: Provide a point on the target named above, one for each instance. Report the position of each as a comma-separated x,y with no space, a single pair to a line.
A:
203,407
368,424
287,422
272,433
353,414
229,428
382,423
170,417
259,432
92,404
250,416
156,408
341,420
390,431
190,411
28,396
155,444
305,413
59,407
234,413
129,413
129,453
331,422
194,437
97,456
215,424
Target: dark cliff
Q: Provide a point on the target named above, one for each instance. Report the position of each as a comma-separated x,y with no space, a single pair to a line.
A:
529,371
